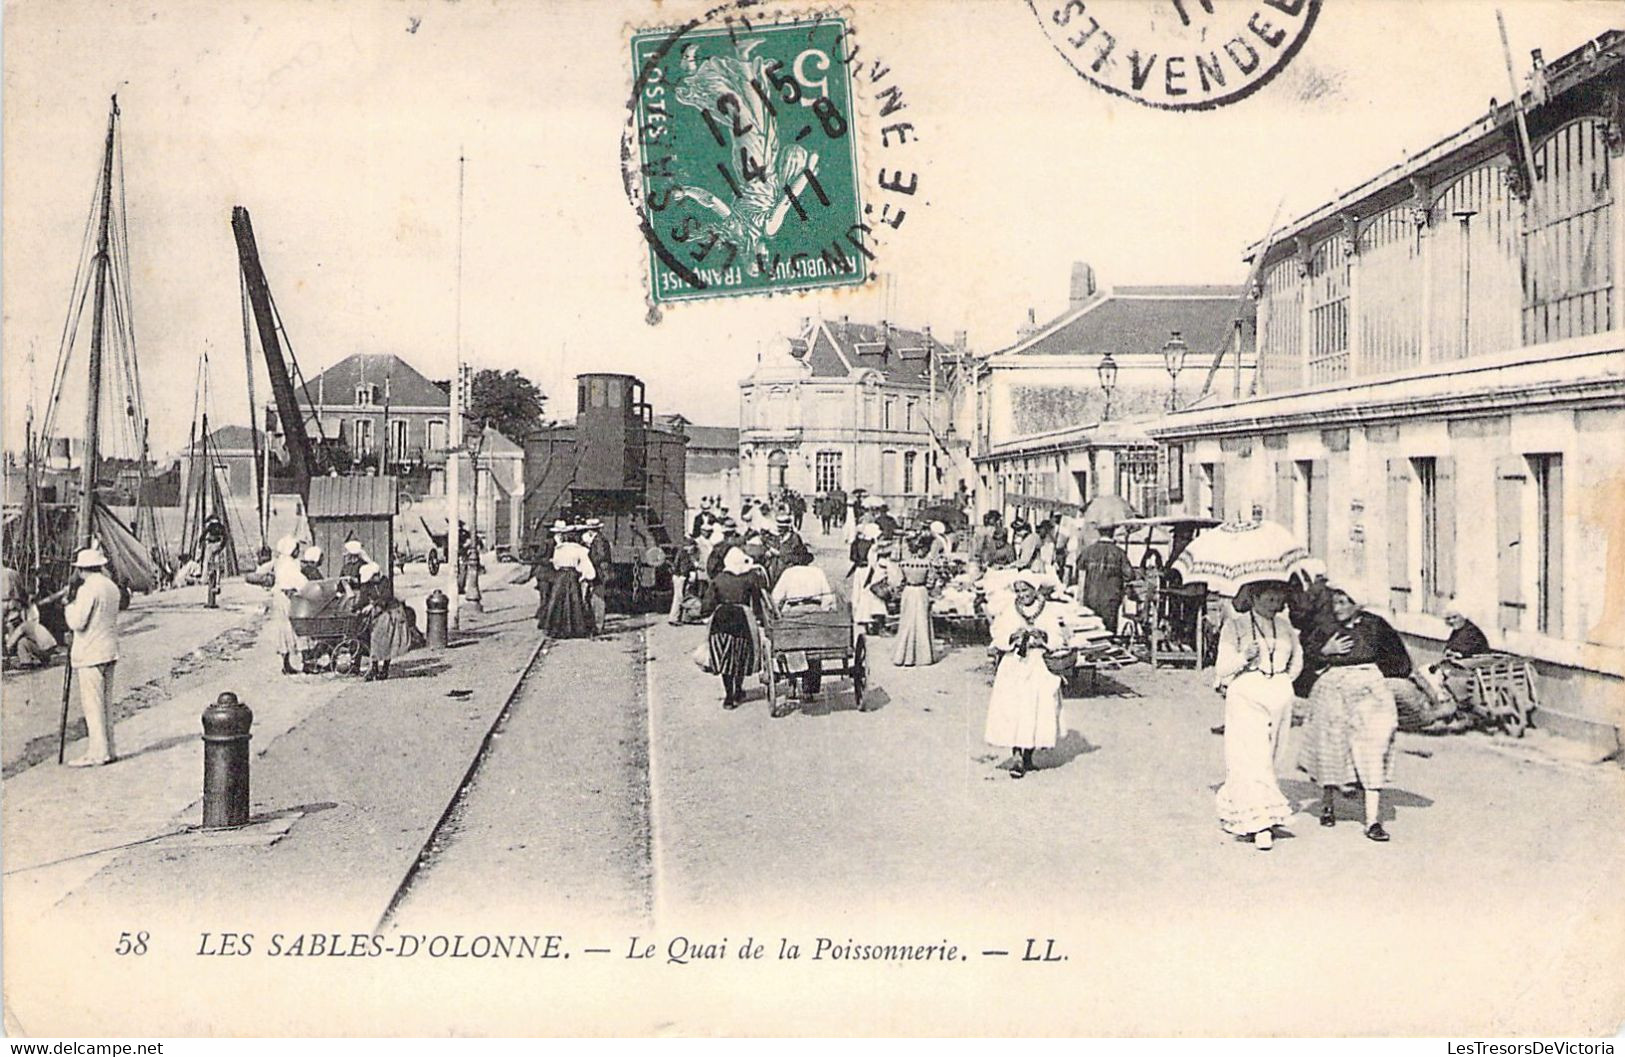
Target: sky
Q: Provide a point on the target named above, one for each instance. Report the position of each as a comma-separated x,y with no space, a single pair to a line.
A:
339,126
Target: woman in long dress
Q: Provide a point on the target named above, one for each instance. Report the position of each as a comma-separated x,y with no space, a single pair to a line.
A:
914,645
1258,658
390,634
735,597
1025,709
568,615
868,608
1349,739
286,577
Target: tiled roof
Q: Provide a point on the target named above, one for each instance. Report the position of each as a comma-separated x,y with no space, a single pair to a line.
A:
1140,319
712,438
337,385
353,496
232,438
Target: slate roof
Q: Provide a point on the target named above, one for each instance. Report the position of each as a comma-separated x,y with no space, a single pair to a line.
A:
712,438
337,385
840,346
231,439
1139,319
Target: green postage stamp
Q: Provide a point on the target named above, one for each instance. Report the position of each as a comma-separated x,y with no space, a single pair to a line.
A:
748,167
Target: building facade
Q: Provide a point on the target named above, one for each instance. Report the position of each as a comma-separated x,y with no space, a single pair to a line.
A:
1440,409
1049,435
713,463
848,405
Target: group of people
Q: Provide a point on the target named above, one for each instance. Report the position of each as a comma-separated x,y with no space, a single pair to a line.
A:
294,570
1310,637
570,567
1086,558
886,564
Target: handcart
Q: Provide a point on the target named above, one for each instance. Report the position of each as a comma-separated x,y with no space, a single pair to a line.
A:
1503,691
335,633
801,640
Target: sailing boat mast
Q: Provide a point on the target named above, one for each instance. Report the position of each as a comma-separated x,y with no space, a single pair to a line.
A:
93,402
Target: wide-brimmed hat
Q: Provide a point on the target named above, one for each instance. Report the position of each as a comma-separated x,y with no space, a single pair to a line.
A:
90,558
593,522
738,562
560,526
370,572
784,517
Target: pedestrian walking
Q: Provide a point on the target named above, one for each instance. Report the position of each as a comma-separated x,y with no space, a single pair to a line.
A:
390,632
1024,711
1349,739
284,576
1258,659
914,645
92,616
1106,574
736,601
682,571
568,615
599,553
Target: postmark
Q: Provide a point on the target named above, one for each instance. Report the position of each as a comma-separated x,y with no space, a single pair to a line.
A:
743,156
1177,54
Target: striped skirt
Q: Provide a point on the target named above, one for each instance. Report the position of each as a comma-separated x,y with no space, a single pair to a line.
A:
733,641
1350,734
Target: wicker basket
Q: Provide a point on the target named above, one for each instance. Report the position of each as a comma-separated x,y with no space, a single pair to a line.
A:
1059,662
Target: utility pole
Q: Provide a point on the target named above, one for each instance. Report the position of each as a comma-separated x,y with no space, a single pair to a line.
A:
455,431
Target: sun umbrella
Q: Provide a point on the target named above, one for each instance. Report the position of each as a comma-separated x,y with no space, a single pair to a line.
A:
1234,554
1107,509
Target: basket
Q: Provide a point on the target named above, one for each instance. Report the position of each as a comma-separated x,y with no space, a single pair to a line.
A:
1059,662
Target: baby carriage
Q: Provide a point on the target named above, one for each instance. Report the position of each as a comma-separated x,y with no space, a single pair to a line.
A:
333,633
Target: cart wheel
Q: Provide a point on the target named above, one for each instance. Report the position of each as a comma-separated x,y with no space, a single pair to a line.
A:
1514,720
434,562
347,656
860,671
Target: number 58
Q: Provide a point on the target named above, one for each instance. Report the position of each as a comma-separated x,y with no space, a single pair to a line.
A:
131,943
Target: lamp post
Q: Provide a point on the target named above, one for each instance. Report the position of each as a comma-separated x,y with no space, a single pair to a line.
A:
1173,358
1107,371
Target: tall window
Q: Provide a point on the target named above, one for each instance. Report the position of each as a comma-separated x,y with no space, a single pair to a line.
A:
1548,474
1329,311
1568,248
363,436
890,413
908,471
1280,336
397,439
437,436
827,471
1211,503
363,395
1427,490
908,415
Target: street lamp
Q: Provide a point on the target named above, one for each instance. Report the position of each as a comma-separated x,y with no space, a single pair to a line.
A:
1173,358
1107,370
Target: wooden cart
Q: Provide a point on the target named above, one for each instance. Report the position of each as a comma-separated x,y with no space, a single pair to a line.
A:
1503,691
802,640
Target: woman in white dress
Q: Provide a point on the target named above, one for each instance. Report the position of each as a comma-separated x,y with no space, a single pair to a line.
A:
287,577
1259,656
1025,709
867,606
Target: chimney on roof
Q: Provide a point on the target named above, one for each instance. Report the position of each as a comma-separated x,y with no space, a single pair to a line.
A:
1029,328
1083,284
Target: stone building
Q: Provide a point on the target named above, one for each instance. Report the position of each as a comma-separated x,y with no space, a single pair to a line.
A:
849,405
1441,394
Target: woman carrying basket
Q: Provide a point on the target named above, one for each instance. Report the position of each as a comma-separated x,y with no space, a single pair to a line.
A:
1025,709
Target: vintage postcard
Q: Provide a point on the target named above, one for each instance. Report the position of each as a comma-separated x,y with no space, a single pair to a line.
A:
715,517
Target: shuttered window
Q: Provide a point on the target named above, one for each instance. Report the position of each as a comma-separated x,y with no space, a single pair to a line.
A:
1510,478
1548,471
1399,533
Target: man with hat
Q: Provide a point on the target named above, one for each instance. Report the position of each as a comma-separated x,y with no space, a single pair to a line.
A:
92,616
598,553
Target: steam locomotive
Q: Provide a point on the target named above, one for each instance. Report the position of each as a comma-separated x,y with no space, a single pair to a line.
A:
613,463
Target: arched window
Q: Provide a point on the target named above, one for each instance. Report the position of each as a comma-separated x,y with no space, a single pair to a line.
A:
1280,339
1390,291
1568,264
1473,265
1329,311
777,463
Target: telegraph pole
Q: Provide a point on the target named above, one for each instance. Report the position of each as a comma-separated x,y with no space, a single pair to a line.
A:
454,544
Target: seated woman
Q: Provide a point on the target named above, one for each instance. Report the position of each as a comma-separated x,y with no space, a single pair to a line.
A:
803,585
1450,679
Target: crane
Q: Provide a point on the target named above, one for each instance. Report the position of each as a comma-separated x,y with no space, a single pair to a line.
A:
301,457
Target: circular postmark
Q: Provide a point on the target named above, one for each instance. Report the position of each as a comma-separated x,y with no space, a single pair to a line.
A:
741,155
1177,54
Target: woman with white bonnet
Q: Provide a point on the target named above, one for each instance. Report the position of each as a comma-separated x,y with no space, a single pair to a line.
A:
390,635
1257,661
735,596
568,615
287,577
310,562
867,606
355,556
1349,739
1025,709
941,544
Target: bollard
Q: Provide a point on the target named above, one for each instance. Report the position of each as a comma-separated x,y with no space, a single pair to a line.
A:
435,619
225,762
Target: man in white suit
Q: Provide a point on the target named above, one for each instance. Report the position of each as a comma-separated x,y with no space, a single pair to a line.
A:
92,615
